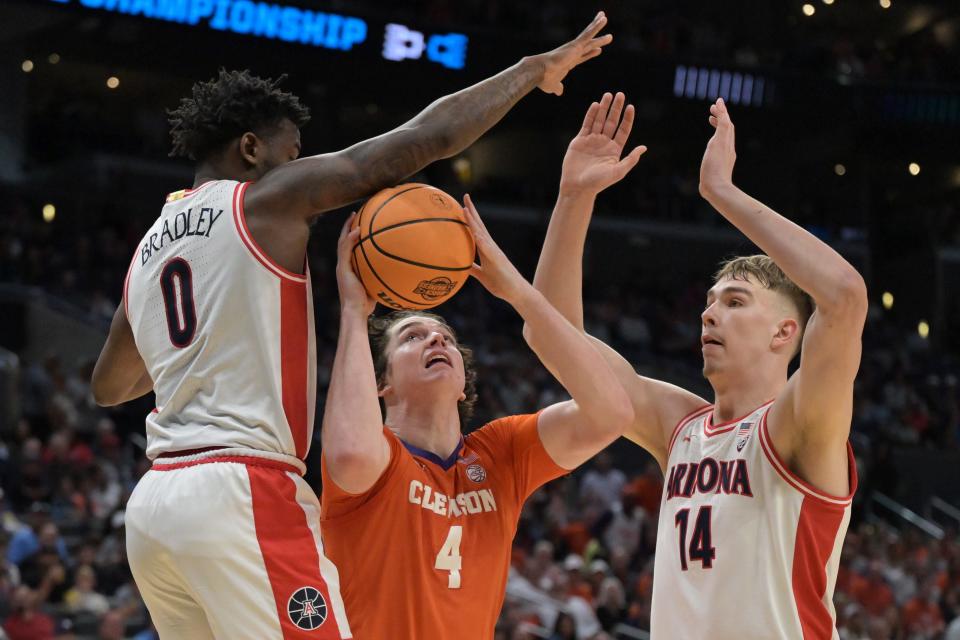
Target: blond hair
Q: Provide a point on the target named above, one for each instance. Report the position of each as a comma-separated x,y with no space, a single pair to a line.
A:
765,271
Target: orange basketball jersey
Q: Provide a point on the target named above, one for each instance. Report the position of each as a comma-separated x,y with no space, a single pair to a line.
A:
425,552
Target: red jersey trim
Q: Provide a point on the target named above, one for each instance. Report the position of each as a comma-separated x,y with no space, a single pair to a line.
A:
710,430
186,193
816,539
250,461
799,483
245,235
682,423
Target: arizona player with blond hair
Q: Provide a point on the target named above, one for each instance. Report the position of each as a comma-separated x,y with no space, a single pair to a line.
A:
217,319
419,517
758,485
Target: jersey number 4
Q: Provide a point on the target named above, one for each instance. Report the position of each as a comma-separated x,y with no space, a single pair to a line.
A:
449,557
176,283
701,547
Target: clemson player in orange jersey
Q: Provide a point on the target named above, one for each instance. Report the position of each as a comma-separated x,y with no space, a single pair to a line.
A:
418,517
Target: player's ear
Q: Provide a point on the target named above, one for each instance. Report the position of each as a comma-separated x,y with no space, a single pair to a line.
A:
250,148
462,397
787,330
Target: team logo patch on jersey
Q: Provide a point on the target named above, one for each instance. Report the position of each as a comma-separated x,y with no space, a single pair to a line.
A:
476,473
177,195
436,288
307,608
743,433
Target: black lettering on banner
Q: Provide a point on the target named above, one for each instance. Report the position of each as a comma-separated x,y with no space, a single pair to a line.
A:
181,312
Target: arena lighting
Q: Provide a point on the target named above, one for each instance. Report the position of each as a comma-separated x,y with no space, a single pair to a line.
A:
809,10
292,24
49,212
53,58
839,169
923,329
827,1
885,4
27,66
710,84
887,299
914,169
113,82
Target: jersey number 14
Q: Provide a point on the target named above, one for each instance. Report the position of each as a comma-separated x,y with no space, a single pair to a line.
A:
701,541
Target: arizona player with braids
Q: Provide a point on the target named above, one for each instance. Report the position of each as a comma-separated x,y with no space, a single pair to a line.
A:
759,483
223,533
419,517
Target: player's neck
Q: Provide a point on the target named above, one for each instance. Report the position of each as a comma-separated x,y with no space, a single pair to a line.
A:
738,393
221,170
427,426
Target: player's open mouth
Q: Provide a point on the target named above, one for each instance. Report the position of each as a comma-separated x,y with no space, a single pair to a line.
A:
438,359
708,340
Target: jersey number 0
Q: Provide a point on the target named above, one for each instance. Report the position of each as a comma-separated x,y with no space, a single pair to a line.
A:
176,283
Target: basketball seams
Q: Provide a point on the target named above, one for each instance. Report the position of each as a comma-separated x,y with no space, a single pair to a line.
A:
418,305
414,263
409,241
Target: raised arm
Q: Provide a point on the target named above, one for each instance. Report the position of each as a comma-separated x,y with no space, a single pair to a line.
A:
593,162
120,374
573,431
810,421
304,188
355,451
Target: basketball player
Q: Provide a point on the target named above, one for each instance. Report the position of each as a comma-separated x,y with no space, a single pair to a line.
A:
419,517
217,318
758,483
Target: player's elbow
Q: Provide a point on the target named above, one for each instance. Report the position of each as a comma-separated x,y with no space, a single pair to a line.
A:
613,417
104,394
849,297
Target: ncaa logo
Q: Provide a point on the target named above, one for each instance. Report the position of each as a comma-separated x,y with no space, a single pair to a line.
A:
307,608
476,473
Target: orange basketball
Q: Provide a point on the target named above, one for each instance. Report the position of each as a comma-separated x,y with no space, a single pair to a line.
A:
415,248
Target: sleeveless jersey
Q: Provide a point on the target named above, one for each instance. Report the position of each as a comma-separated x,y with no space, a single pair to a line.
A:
745,548
226,333
424,553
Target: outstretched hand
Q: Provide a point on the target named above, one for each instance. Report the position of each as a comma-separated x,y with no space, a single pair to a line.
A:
559,62
593,161
353,295
716,169
495,271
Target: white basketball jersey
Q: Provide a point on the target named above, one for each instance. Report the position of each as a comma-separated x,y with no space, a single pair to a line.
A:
745,548
226,333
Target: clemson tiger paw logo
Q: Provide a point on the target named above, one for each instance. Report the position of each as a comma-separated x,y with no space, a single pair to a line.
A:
435,289
307,608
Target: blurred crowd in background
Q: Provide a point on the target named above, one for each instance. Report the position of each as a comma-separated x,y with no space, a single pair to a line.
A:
584,549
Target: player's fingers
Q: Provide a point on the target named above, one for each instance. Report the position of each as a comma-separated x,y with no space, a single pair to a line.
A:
473,218
630,160
602,115
613,116
599,22
713,121
589,118
599,42
626,126
345,229
591,53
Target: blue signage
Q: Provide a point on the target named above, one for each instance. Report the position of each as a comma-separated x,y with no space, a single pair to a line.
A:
292,24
